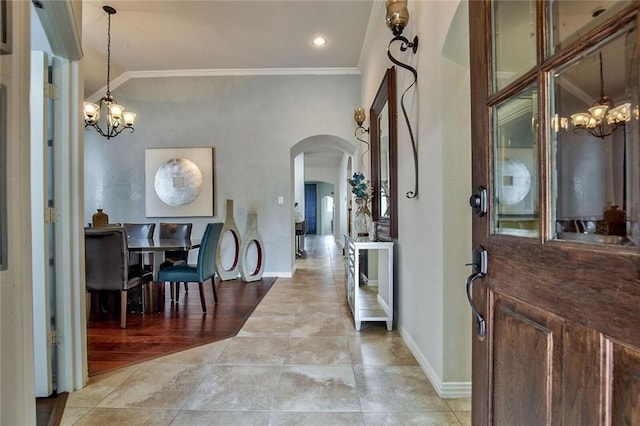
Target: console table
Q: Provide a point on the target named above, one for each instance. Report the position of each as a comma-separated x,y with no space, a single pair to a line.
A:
371,299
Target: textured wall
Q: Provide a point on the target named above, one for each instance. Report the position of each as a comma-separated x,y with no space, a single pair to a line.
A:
250,121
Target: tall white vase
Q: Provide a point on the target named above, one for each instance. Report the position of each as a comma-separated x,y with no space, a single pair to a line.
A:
252,237
229,226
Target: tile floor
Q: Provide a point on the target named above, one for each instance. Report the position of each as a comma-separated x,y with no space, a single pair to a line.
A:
297,361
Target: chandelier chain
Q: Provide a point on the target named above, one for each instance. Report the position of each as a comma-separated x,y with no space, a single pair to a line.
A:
108,54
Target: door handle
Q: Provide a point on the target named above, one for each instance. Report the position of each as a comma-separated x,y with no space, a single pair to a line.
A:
480,267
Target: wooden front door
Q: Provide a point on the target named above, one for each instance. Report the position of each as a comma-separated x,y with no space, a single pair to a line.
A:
556,144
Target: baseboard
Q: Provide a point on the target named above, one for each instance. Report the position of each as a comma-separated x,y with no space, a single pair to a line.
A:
444,389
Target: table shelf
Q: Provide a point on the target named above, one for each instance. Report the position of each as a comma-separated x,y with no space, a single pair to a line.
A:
369,284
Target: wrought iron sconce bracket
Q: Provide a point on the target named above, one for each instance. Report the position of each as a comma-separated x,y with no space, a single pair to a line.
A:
404,46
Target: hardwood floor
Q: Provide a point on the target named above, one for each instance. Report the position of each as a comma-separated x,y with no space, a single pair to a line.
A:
179,326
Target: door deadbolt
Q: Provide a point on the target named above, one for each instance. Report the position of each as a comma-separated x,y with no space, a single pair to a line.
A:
478,201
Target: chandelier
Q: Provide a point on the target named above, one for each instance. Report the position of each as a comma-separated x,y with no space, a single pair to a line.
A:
117,118
603,118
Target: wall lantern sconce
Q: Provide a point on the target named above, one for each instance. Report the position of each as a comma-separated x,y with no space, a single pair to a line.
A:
359,115
603,118
397,19
117,118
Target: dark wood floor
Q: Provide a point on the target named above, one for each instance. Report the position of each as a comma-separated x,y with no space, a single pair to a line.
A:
177,327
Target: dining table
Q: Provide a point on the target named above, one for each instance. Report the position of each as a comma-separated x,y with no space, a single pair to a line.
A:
157,246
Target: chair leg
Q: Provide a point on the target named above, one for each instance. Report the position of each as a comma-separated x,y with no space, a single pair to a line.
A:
172,288
123,309
204,306
177,290
213,287
186,288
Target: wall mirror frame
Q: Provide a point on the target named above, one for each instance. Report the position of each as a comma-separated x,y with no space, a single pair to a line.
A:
384,155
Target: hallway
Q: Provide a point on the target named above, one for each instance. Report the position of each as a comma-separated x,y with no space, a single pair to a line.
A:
297,361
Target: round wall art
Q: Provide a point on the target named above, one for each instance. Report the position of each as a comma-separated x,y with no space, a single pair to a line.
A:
178,182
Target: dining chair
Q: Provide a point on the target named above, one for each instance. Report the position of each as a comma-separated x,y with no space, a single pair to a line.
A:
139,231
204,270
107,266
181,231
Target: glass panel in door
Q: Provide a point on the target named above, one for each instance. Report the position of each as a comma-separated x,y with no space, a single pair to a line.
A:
571,19
595,134
514,40
515,171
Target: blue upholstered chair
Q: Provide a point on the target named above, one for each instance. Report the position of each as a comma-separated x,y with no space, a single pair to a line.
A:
204,270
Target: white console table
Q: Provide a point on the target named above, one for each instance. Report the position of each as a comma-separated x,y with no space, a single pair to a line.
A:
373,300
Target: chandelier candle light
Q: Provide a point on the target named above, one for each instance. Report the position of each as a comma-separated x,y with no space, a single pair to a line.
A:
117,118
603,118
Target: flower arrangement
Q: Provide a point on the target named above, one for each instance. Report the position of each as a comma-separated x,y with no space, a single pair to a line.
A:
360,187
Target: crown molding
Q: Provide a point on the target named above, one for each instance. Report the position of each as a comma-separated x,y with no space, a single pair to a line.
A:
121,79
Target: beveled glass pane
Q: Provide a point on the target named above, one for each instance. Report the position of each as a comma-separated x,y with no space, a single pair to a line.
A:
515,167
514,40
596,179
571,19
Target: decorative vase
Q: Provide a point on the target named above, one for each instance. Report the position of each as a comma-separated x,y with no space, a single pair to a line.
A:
362,219
252,240
230,227
100,219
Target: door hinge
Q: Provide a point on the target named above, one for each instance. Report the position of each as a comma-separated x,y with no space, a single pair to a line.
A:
50,91
54,338
50,215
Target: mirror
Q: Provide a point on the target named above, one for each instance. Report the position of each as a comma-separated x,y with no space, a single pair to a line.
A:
384,159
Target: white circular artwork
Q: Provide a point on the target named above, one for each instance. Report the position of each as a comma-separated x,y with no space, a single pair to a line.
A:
516,182
178,182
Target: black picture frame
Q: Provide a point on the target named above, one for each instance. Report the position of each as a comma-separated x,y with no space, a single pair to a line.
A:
3,178
5,27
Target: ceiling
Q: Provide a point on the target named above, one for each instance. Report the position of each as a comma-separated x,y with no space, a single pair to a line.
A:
265,35
214,34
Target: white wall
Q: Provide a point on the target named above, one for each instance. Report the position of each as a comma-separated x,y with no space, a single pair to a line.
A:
434,232
251,121
17,402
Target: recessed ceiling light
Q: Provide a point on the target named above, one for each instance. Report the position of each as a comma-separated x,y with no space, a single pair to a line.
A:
319,41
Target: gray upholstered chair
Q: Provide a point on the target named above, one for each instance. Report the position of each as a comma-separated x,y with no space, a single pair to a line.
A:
204,270
180,231
139,231
107,266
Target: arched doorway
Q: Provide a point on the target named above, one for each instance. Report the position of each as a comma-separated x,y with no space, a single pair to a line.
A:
328,160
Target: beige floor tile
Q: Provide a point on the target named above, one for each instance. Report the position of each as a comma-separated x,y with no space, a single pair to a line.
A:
320,309
267,326
317,388
318,326
111,416
99,387
236,387
315,419
411,418
464,417
392,388
157,385
380,350
256,350
318,351
72,414
205,354
275,309
221,418
459,404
